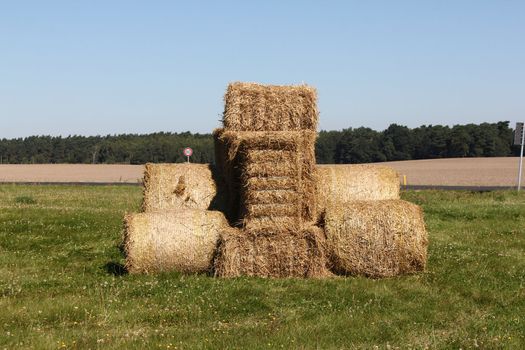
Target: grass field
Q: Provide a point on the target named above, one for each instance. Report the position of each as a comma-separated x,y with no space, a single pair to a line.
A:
62,285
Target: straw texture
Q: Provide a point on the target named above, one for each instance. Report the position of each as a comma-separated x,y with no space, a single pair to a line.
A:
340,183
333,183
183,240
380,238
256,107
266,170
244,254
178,186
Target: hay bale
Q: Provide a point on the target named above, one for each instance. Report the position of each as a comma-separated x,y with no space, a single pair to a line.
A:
376,238
183,240
256,107
265,169
178,186
241,253
340,183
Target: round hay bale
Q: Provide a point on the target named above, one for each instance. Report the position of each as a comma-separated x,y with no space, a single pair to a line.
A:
182,240
178,186
340,183
376,238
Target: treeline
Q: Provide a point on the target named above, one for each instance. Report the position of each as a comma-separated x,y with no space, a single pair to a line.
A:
162,147
364,145
359,145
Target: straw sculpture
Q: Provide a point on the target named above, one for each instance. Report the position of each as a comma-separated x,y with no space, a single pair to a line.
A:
380,238
184,240
265,209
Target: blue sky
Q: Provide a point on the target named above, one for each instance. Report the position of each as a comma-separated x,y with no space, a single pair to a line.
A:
105,67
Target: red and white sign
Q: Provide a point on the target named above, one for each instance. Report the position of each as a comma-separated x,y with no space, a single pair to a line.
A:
187,152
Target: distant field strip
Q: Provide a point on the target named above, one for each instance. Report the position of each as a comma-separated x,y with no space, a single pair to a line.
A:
489,173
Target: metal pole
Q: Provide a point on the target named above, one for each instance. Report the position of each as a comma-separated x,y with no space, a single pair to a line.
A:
188,158
521,159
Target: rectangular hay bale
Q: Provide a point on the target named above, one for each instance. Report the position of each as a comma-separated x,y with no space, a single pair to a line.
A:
254,161
244,254
256,107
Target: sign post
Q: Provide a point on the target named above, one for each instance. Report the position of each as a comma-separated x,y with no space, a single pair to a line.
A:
519,139
188,152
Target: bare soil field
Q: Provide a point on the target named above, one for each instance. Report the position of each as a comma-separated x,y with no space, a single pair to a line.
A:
498,171
435,172
98,173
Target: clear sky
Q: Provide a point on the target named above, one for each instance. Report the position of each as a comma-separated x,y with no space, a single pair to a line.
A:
105,67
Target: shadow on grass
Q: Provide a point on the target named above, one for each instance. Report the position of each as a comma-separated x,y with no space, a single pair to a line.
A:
115,269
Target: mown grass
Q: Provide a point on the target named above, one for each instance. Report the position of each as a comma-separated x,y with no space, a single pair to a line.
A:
61,284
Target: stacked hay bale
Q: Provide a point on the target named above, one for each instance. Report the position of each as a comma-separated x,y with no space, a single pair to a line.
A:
268,142
181,220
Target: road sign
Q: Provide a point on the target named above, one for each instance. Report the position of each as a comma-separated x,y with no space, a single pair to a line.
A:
188,152
518,134
519,139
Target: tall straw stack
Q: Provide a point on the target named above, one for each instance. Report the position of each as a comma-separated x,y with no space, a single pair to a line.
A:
183,240
267,150
380,238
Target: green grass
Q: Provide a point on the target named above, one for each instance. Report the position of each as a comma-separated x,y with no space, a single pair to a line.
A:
61,284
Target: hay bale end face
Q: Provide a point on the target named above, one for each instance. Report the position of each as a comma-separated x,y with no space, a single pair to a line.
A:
183,240
256,107
241,253
381,238
340,183
179,186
